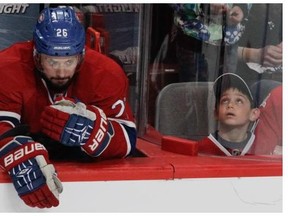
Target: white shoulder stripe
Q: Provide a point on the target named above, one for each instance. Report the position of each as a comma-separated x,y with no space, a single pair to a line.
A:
10,114
9,122
124,122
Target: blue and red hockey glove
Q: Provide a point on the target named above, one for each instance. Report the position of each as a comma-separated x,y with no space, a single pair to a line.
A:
73,123
33,177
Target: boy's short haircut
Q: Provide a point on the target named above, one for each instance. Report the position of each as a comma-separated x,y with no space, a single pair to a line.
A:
234,81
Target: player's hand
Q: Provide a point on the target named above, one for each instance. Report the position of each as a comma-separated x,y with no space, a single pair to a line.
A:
34,179
73,123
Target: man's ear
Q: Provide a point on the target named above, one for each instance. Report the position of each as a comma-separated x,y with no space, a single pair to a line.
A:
255,114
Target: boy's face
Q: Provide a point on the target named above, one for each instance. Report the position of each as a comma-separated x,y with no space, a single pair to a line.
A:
235,109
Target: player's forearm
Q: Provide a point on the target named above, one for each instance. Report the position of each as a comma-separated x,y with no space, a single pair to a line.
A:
8,121
4,127
123,141
7,130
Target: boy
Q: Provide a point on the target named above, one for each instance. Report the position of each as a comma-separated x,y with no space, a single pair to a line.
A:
237,113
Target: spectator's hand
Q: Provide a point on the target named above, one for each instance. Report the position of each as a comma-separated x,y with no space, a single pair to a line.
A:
272,55
75,124
218,9
234,15
33,177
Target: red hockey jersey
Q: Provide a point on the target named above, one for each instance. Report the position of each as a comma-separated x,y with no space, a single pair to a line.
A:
269,130
210,145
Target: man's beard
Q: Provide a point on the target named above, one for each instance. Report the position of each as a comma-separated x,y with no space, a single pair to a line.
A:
57,88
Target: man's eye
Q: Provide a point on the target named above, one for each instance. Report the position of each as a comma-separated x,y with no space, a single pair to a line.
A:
51,63
70,62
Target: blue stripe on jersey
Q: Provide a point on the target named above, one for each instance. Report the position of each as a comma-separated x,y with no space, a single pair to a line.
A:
132,133
11,120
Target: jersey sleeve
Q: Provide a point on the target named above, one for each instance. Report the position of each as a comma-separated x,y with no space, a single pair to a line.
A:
111,95
269,130
120,116
10,98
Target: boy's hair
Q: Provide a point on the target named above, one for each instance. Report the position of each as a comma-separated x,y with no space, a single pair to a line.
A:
234,81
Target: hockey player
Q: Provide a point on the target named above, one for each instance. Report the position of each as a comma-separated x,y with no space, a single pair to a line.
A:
244,127
72,98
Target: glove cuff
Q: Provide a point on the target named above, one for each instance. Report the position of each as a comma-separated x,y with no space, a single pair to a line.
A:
100,136
19,149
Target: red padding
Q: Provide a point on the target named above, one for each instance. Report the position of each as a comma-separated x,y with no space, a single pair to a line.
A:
179,145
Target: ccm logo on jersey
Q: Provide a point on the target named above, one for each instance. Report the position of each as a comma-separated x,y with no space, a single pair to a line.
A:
24,153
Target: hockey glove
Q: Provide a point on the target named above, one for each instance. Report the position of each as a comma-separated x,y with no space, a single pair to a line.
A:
34,179
75,124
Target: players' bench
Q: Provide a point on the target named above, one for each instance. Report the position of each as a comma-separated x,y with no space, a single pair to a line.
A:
186,110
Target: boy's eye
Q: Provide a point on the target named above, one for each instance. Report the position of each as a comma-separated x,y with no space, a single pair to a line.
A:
239,101
224,101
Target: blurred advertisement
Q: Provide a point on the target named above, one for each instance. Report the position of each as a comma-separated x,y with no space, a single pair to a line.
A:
17,22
